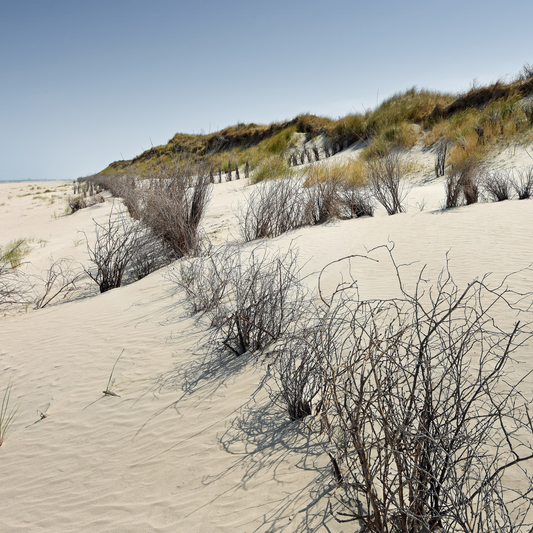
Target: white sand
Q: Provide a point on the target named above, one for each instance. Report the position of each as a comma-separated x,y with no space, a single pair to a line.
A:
192,444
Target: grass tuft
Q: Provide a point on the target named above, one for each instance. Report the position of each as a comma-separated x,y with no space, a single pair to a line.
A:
7,414
14,252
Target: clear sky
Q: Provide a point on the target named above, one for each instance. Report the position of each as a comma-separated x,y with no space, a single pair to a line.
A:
85,83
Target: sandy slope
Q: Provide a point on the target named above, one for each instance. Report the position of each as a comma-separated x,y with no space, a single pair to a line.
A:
192,442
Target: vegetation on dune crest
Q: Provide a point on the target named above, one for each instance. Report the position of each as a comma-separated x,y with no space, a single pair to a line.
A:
472,123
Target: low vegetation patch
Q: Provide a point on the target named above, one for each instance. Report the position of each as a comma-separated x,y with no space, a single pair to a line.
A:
14,252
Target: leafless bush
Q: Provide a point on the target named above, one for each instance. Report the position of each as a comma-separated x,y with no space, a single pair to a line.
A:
60,280
386,180
418,407
324,200
14,287
277,206
173,209
462,183
298,372
205,280
264,298
251,297
497,185
356,201
272,208
129,191
454,193
523,184
116,243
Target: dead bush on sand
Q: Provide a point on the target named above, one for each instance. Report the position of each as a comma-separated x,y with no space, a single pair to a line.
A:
418,408
387,183
60,280
173,208
497,185
523,184
116,242
462,183
272,208
251,297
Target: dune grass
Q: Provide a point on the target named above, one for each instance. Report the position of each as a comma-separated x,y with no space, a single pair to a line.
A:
14,252
473,123
8,413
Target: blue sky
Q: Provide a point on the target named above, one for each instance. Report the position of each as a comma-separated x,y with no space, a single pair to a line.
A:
86,83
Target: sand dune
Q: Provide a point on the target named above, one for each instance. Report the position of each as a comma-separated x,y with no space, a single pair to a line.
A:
192,442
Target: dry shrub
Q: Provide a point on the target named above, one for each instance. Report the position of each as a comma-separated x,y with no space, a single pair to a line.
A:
251,297
338,191
462,183
298,372
277,206
116,243
173,208
417,405
60,280
323,200
14,287
272,208
387,183
76,203
205,280
497,185
523,184
356,202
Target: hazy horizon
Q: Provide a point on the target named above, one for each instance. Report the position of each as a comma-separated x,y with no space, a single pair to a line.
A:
88,84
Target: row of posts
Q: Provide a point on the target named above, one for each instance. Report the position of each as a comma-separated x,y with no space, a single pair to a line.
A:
298,157
229,174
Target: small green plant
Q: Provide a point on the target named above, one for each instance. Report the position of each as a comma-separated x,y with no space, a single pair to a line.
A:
272,168
7,414
14,252
108,391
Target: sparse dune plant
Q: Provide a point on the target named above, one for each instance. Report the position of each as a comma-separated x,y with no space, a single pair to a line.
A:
264,298
174,206
462,183
274,167
272,208
116,242
497,185
14,251
250,297
338,191
414,399
387,182
8,413
523,183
